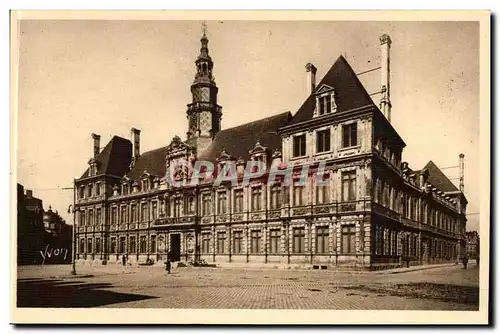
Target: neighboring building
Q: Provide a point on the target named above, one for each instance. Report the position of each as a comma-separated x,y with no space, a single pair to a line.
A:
472,244
30,231
376,213
57,238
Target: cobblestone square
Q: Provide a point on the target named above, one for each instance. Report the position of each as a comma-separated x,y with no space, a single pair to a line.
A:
443,288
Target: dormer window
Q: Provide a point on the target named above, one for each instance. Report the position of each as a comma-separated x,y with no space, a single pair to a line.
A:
325,100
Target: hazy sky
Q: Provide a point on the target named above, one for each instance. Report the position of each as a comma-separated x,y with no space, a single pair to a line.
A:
78,77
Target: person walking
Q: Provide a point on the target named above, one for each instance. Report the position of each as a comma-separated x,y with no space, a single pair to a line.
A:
465,260
168,265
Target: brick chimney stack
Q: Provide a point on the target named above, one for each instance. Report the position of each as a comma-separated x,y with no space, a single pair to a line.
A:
97,144
311,78
385,100
135,138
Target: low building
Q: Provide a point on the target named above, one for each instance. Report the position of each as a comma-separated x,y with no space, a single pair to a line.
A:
472,244
30,232
58,238
375,212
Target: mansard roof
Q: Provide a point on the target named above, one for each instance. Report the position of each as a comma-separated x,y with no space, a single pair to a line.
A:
349,91
114,159
438,179
240,140
151,161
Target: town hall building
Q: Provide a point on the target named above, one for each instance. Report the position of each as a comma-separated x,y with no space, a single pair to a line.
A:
376,212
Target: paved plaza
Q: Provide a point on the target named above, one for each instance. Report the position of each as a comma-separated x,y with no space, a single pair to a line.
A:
441,288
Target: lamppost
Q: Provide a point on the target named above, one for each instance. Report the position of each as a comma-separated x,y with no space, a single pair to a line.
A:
71,209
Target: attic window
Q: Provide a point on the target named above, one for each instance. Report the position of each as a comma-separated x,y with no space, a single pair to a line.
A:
325,100
325,105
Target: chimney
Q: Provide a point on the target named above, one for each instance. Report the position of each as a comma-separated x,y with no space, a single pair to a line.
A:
135,138
385,100
97,144
311,78
29,194
461,165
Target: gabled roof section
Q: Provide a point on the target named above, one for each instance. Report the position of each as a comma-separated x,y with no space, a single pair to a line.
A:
438,179
151,161
240,140
350,93
114,159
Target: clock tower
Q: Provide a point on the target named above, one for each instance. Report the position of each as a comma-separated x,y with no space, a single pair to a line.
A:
203,113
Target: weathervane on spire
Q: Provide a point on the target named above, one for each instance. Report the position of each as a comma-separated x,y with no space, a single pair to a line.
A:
204,27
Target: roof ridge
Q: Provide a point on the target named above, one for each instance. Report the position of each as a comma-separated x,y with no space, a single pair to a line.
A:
256,121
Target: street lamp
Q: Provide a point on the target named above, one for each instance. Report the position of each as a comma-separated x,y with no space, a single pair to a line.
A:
71,209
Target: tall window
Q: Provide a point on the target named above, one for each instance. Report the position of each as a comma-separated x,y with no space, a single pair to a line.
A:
121,245
89,190
131,245
379,240
322,239
255,242
323,141
298,195
325,105
205,243
237,242
299,145
98,216
124,189
238,200
154,210
144,212
153,244
98,245
276,196
82,218
91,217
221,240
123,214
81,192
222,202
82,245
133,214
299,238
274,241
113,245
207,204
323,191
177,206
142,244
190,205
348,239
89,245
350,135
98,189
349,186
256,198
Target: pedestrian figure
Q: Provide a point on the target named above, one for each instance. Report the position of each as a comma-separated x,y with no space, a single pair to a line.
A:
465,260
167,263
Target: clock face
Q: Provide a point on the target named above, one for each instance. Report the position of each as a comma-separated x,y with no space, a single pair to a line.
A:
205,94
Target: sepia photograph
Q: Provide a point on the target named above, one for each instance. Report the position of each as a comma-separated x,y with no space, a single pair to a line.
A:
179,162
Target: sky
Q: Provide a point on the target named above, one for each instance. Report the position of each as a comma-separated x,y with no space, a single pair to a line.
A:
78,77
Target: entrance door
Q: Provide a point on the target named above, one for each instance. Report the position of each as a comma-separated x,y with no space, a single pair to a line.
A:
175,247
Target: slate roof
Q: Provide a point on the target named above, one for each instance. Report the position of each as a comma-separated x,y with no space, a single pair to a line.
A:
115,158
438,179
350,93
239,140
152,161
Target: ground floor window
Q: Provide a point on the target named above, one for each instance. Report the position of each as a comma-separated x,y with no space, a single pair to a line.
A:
348,239
121,245
113,245
153,244
89,245
274,241
237,242
98,245
142,244
221,240
255,242
205,243
322,239
131,246
299,239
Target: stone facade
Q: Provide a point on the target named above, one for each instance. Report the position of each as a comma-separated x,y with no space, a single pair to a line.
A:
375,213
